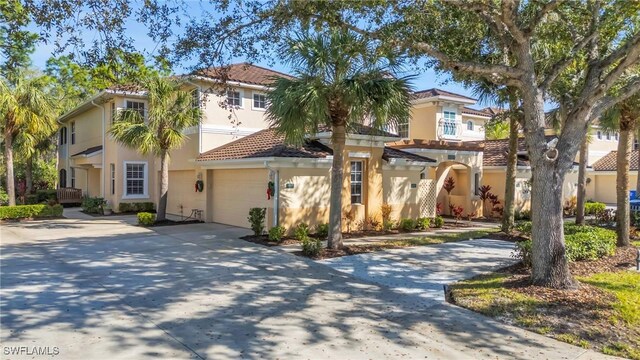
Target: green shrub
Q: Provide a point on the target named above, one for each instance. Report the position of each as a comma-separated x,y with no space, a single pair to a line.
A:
31,199
30,211
301,231
46,196
322,230
146,219
522,215
276,233
311,247
93,205
524,227
407,224
438,222
593,208
129,207
582,243
423,223
256,219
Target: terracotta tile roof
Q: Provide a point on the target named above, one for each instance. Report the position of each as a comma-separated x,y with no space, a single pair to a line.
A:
359,129
243,72
609,162
264,143
483,112
496,152
423,94
391,153
435,144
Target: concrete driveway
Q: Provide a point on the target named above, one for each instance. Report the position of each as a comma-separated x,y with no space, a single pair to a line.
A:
103,289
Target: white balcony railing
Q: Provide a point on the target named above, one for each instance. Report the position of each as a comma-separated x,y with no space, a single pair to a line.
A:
449,129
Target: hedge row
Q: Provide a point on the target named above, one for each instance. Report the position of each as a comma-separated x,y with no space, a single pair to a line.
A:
29,211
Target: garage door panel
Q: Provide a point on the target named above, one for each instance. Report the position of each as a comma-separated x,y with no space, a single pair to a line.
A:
235,192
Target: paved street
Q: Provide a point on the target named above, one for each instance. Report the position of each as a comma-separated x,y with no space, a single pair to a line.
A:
104,289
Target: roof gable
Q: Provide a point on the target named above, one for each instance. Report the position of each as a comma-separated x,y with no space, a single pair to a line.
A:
609,162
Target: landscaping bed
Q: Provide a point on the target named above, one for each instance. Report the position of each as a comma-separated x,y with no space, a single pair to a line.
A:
602,314
355,249
264,240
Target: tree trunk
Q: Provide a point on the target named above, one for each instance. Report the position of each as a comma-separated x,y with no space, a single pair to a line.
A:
8,151
582,180
164,187
548,167
28,174
550,267
337,180
508,217
622,186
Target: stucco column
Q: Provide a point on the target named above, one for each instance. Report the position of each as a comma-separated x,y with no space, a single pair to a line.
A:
374,196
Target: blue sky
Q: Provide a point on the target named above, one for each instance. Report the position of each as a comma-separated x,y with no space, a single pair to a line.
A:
425,80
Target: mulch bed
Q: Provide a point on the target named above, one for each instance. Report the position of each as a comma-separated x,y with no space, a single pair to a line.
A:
264,240
349,250
172,222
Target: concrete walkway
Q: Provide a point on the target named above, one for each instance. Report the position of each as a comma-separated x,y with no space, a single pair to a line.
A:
100,288
423,270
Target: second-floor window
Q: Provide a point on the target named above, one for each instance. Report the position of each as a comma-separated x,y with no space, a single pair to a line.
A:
356,182
195,98
599,135
608,135
259,101
449,123
470,125
137,106
63,135
113,112
234,98
73,133
403,130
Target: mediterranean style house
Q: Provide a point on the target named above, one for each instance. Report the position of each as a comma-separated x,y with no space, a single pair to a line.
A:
232,161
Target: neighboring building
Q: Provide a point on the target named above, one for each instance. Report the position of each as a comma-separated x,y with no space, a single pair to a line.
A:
601,178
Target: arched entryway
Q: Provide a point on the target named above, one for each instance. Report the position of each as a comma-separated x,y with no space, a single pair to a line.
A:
465,180
63,178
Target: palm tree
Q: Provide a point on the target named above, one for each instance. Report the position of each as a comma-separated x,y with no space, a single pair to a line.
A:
171,112
623,117
27,110
341,81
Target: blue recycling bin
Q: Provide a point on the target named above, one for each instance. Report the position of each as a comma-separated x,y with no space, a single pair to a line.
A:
632,195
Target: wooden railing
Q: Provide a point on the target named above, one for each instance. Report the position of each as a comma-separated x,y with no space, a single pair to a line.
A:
69,195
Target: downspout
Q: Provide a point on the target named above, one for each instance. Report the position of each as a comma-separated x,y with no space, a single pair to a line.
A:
276,194
200,122
102,170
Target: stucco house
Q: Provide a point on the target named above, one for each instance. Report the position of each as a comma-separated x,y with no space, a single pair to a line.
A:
240,163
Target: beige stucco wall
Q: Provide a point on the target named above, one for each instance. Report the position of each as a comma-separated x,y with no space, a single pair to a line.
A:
602,186
308,199
423,122
400,195
182,196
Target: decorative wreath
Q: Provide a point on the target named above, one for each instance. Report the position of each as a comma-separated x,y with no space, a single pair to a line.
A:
199,186
271,188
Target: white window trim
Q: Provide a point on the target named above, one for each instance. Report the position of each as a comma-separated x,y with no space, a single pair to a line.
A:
112,178
146,106
252,101
124,180
241,92
73,132
72,178
361,182
473,125
408,125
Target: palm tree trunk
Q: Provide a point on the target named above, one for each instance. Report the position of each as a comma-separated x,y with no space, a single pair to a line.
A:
508,217
582,181
337,180
164,187
622,185
8,151
28,174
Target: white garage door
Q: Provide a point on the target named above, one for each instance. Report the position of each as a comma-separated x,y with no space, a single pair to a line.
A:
235,192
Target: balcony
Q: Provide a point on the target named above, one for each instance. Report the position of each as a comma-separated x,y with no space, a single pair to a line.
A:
449,130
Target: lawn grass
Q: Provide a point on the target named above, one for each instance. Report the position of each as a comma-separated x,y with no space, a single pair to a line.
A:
440,238
611,324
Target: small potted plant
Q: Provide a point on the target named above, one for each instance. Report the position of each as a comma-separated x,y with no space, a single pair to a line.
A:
106,209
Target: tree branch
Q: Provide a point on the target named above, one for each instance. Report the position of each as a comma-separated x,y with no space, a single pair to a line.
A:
540,14
627,91
622,51
509,18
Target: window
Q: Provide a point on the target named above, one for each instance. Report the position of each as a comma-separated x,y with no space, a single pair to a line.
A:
63,135
73,133
403,130
195,99
470,125
135,178
608,135
234,98
616,136
476,183
137,106
599,135
259,101
63,178
635,144
356,182
449,123
73,177
112,171
113,112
